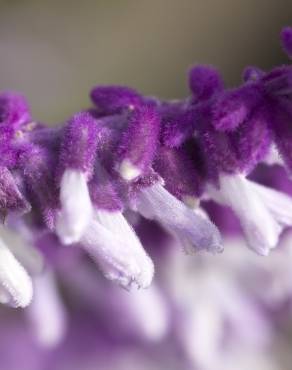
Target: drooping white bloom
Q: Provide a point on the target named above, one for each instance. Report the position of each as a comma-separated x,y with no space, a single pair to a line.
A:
193,231
15,284
279,204
262,212
213,309
76,208
149,312
46,311
113,244
20,243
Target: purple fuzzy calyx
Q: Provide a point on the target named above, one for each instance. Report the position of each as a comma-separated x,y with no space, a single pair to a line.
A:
79,144
280,124
115,99
252,140
286,40
234,106
278,82
138,143
14,110
252,74
11,199
179,173
236,151
37,167
177,125
104,190
204,82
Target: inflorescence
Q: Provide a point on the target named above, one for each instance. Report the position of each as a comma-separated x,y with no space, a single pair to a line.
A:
134,154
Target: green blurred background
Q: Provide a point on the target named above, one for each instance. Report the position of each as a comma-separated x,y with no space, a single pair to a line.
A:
55,51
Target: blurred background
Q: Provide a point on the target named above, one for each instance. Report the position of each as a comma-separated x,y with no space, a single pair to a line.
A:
54,52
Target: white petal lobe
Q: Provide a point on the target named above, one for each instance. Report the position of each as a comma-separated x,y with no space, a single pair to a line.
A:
112,243
194,231
46,312
76,208
259,226
279,204
150,313
15,284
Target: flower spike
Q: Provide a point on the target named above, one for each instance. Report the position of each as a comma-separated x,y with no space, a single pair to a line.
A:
94,180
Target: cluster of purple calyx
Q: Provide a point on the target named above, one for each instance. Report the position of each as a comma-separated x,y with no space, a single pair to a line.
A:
131,155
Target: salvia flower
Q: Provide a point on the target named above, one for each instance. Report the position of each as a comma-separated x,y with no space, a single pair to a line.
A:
76,164
110,239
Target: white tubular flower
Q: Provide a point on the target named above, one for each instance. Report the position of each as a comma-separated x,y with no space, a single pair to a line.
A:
76,208
279,204
15,284
149,312
21,242
262,212
114,246
46,312
194,231
76,163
